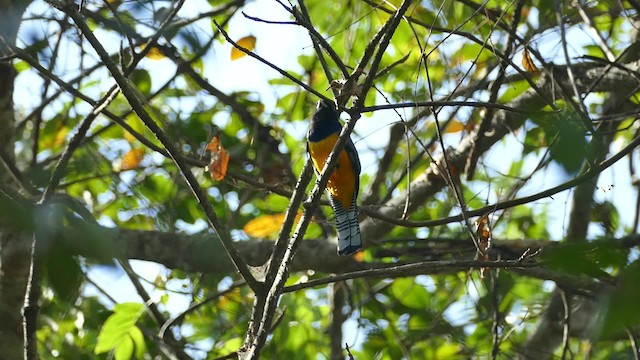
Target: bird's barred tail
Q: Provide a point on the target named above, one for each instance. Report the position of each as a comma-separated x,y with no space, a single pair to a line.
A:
349,240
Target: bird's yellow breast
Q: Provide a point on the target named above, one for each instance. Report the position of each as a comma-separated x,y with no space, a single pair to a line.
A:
342,182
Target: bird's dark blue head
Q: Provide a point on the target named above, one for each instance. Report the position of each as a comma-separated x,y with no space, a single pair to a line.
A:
324,121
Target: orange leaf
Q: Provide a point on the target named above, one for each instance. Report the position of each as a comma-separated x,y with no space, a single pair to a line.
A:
483,230
359,256
528,64
247,42
219,159
266,225
132,159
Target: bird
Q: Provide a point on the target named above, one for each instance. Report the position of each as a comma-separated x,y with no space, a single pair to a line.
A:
344,183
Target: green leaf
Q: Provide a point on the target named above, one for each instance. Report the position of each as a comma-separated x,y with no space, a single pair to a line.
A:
142,81
448,351
118,326
622,304
63,274
410,294
565,135
21,66
575,258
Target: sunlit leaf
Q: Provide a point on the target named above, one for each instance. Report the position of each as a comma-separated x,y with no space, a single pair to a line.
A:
219,159
118,326
21,66
124,349
266,225
247,42
448,351
139,344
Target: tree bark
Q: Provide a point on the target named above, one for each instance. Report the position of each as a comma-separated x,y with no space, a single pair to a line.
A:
14,245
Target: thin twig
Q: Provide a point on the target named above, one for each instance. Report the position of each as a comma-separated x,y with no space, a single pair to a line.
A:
412,269
485,123
566,320
495,309
580,107
156,315
436,103
317,46
257,19
599,39
304,20
269,64
194,307
390,28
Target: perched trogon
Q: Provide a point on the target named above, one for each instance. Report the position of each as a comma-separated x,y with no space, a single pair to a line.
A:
344,183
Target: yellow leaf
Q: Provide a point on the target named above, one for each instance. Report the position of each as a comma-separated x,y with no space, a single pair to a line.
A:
155,54
132,159
219,159
454,126
266,225
528,64
247,42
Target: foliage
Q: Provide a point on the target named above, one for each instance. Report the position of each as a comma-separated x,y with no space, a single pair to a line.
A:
248,122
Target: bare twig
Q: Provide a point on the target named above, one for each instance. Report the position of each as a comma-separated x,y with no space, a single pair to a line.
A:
412,269
566,320
435,103
485,123
580,107
173,321
269,64
174,350
257,19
